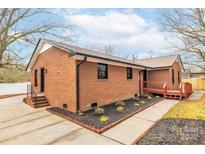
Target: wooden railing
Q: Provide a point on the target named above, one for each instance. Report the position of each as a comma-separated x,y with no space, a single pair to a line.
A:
184,89
165,89
153,84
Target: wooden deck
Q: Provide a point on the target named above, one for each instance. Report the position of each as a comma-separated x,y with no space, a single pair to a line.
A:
185,89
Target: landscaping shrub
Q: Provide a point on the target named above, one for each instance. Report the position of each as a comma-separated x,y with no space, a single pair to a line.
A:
120,109
145,96
104,119
142,102
136,98
136,104
121,103
99,111
158,96
149,97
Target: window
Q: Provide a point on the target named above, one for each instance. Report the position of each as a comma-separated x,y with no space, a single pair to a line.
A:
129,73
102,71
36,78
178,76
173,76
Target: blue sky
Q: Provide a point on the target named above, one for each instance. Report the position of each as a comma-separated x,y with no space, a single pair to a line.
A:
128,31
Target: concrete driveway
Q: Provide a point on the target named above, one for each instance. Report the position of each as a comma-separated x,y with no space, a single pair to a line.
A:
21,124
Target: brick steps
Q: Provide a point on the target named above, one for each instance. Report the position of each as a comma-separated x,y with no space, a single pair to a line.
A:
38,102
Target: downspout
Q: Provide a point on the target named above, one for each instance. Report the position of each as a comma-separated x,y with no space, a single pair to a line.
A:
140,82
78,83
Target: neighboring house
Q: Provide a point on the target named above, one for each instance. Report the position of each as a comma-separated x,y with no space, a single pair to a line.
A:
79,79
188,74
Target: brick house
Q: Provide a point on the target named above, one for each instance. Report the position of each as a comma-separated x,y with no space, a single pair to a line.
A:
78,79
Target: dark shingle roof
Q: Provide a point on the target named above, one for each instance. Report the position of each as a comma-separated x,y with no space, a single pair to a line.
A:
165,61
90,52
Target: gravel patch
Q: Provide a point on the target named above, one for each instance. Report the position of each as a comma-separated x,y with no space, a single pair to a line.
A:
176,132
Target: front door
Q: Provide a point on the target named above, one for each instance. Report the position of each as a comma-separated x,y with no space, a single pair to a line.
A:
42,80
145,78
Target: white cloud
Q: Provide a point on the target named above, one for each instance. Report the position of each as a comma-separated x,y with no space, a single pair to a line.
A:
112,23
120,29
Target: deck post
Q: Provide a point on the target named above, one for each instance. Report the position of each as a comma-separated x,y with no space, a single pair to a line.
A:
165,89
180,91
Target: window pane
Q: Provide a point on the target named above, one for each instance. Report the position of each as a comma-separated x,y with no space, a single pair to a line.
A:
129,73
35,78
173,76
102,71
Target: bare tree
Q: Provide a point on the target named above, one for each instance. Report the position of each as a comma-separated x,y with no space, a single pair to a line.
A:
109,49
134,57
189,27
23,27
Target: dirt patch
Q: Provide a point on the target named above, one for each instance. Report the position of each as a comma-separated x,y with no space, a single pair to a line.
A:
176,132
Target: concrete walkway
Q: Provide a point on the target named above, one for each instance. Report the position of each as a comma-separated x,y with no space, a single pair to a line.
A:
196,95
132,128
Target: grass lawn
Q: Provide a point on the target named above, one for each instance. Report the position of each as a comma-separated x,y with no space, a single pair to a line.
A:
193,109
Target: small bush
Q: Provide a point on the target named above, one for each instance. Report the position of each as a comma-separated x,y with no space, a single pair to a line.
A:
158,96
142,102
120,104
136,98
104,119
149,97
120,109
145,96
99,111
136,104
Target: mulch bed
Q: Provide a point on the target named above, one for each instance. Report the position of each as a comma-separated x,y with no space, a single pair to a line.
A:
175,132
92,122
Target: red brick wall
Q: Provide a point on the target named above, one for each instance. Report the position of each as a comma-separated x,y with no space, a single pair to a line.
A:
161,76
165,75
60,79
176,69
116,87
